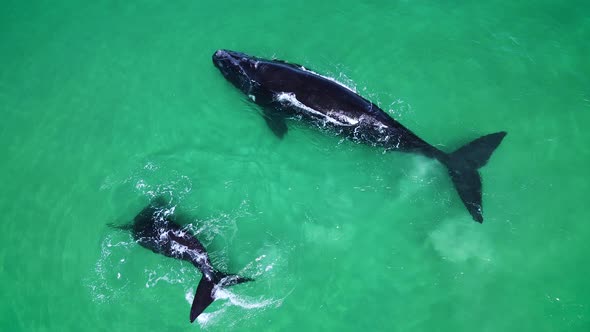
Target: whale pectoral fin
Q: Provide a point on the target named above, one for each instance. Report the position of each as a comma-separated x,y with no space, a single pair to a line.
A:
276,123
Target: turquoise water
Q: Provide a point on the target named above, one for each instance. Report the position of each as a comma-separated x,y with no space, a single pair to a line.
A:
106,104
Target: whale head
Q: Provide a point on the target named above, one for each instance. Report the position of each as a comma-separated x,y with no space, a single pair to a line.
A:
238,68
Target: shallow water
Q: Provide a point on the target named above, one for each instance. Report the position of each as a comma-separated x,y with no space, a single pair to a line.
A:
106,104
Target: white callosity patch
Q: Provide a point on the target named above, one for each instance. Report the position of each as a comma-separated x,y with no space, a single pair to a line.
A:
338,119
336,116
343,118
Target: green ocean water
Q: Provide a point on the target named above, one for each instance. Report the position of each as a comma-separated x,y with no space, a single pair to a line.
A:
105,104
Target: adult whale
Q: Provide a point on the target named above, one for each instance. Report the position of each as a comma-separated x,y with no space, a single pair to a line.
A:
287,90
154,228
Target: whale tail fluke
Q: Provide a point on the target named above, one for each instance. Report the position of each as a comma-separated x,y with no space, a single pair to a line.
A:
204,295
463,165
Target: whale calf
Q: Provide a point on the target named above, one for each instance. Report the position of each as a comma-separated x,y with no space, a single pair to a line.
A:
288,90
154,228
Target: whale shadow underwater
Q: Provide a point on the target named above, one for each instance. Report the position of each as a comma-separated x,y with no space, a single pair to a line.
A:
155,228
286,90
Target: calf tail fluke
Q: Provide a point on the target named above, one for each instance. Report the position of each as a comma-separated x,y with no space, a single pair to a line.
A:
204,295
463,165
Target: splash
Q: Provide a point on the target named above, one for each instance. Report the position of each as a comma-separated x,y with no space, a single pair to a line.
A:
234,306
343,80
172,276
108,279
147,180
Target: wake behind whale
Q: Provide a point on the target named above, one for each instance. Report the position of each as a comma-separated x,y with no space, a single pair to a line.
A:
286,90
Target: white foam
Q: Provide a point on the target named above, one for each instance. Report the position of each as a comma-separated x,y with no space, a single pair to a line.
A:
241,301
140,184
208,318
172,276
105,284
330,79
231,299
151,166
189,295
